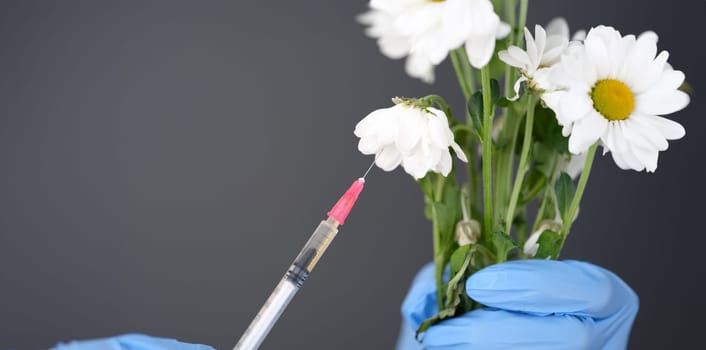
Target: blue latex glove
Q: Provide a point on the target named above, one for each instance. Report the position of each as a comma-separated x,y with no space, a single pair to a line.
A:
130,342
531,304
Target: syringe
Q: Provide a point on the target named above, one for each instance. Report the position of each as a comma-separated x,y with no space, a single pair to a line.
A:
300,269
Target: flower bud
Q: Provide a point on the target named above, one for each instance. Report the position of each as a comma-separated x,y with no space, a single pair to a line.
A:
467,232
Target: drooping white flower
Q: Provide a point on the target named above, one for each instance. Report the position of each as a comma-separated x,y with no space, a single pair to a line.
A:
415,137
426,30
615,88
543,51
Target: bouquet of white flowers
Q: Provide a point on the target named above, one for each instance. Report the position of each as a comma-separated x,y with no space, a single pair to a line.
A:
535,117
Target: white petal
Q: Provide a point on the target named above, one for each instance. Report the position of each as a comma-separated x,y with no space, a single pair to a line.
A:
380,124
419,67
579,35
540,39
459,152
445,164
555,47
411,126
503,31
670,80
511,60
516,87
624,150
551,99
638,57
650,74
634,135
597,52
389,158
669,128
662,103
417,164
393,47
533,50
610,144
566,130
369,145
438,128
586,132
654,138
647,157
531,246
456,22
574,106
520,56
575,166
480,50
558,27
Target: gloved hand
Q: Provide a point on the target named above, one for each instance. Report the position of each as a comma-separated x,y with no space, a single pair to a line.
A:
531,304
130,342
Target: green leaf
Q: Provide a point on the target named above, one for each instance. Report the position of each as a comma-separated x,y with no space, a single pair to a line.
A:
475,110
494,91
427,323
548,131
463,133
502,244
456,285
428,209
458,257
565,190
544,156
533,184
504,102
497,67
549,245
427,185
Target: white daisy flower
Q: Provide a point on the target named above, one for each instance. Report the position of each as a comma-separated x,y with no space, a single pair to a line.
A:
426,30
615,89
544,50
415,137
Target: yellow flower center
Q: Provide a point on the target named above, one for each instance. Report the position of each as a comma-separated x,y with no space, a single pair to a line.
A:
437,0
613,99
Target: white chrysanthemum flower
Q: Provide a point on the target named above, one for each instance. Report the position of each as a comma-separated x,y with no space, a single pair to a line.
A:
417,138
544,50
614,89
426,30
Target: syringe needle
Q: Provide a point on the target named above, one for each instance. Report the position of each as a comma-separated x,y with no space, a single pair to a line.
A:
369,168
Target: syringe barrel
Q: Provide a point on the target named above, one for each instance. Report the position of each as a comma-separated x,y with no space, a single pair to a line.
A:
289,285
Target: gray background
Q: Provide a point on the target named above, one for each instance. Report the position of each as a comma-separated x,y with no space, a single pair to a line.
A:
162,162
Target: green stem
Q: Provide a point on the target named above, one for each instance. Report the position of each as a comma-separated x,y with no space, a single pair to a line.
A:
464,75
438,253
438,263
511,17
571,214
547,193
522,167
460,73
467,68
487,153
522,22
